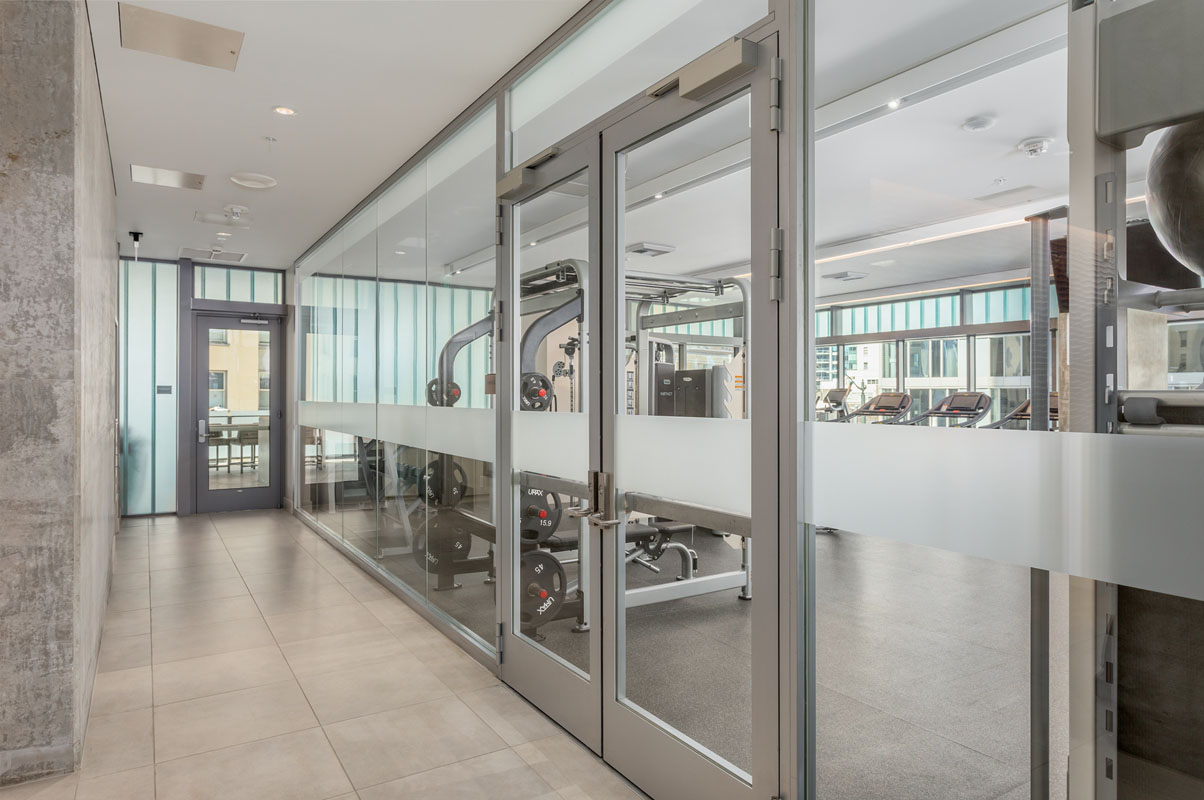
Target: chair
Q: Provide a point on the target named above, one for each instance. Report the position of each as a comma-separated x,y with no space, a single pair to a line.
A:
312,437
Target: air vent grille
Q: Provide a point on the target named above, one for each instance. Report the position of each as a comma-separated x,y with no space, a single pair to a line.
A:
220,256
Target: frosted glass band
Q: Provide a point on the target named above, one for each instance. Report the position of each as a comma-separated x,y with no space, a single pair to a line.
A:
706,462
463,432
551,444
1122,509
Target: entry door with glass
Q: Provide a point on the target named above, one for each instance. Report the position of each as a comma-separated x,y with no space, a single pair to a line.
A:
551,642
239,419
691,658
634,401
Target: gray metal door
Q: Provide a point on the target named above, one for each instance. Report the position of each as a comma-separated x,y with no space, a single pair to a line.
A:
239,413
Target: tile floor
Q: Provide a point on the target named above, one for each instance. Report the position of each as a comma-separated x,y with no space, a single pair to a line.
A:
244,658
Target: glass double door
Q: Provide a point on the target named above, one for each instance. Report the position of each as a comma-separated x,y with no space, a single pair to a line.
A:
635,308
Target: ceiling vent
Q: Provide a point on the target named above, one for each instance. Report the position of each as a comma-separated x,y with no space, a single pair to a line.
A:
650,249
173,178
1012,197
212,254
847,275
224,218
176,37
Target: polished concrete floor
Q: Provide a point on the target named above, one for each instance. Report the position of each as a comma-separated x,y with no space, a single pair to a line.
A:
243,658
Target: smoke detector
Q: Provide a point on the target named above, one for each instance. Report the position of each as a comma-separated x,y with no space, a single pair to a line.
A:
1035,147
236,212
980,122
650,249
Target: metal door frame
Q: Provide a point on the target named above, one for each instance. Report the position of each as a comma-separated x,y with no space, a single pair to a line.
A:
559,692
677,770
270,496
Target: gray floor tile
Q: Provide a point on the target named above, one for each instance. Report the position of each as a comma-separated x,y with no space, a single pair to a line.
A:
211,639
121,690
117,742
123,652
205,612
315,622
393,682
510,717
341,652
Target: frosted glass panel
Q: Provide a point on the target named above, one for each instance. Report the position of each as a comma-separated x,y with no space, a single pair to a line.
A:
697,475
621,52
149,344
1122,509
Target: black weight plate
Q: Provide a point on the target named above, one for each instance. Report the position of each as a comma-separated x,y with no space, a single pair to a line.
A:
437,549
430,484
438,395
542,585
541,514
535,392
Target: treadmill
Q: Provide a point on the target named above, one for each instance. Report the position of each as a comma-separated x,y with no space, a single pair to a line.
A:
888,408
1024,413
967,408
836,401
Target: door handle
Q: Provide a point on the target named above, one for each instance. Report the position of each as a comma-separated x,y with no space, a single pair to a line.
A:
202,430
577,513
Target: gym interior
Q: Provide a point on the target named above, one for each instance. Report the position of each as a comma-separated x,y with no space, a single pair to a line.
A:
787,398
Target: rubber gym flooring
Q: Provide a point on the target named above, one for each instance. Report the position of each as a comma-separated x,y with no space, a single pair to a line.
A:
922,661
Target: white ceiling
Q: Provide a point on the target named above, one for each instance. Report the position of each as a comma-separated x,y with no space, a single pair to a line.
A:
371,82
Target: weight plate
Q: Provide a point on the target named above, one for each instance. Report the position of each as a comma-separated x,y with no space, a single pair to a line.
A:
535,392
541,514
430,483
438,395
542,584
438,548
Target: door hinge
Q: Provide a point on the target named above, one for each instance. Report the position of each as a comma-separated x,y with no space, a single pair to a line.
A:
499,319
499,230
501,642
776,239
776,69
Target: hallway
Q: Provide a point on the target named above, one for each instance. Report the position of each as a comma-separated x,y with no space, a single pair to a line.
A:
244,657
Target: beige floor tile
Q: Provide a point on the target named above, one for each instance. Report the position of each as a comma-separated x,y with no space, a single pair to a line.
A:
254,563
123,652
206,612
510,716
134,784
178,560
393,744
128,581
299,579
122,690
129,599
127,623
176,681
333,594
497,776
177,593
61,788
397,681
221,720
211,639
189,543
193,574
341,652
566,765
316,622
130,548
117,742
393,611
130,566
454,667
365,588
297,766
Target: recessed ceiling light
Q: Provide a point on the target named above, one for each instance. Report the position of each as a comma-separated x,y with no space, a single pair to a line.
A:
224,234
894,104
284,111
535,242
658,196
399,252
253,180
886,263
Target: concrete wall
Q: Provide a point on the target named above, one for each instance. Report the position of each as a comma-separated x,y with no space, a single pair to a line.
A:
57,282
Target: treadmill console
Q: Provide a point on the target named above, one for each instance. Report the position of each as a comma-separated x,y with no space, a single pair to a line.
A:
889,401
